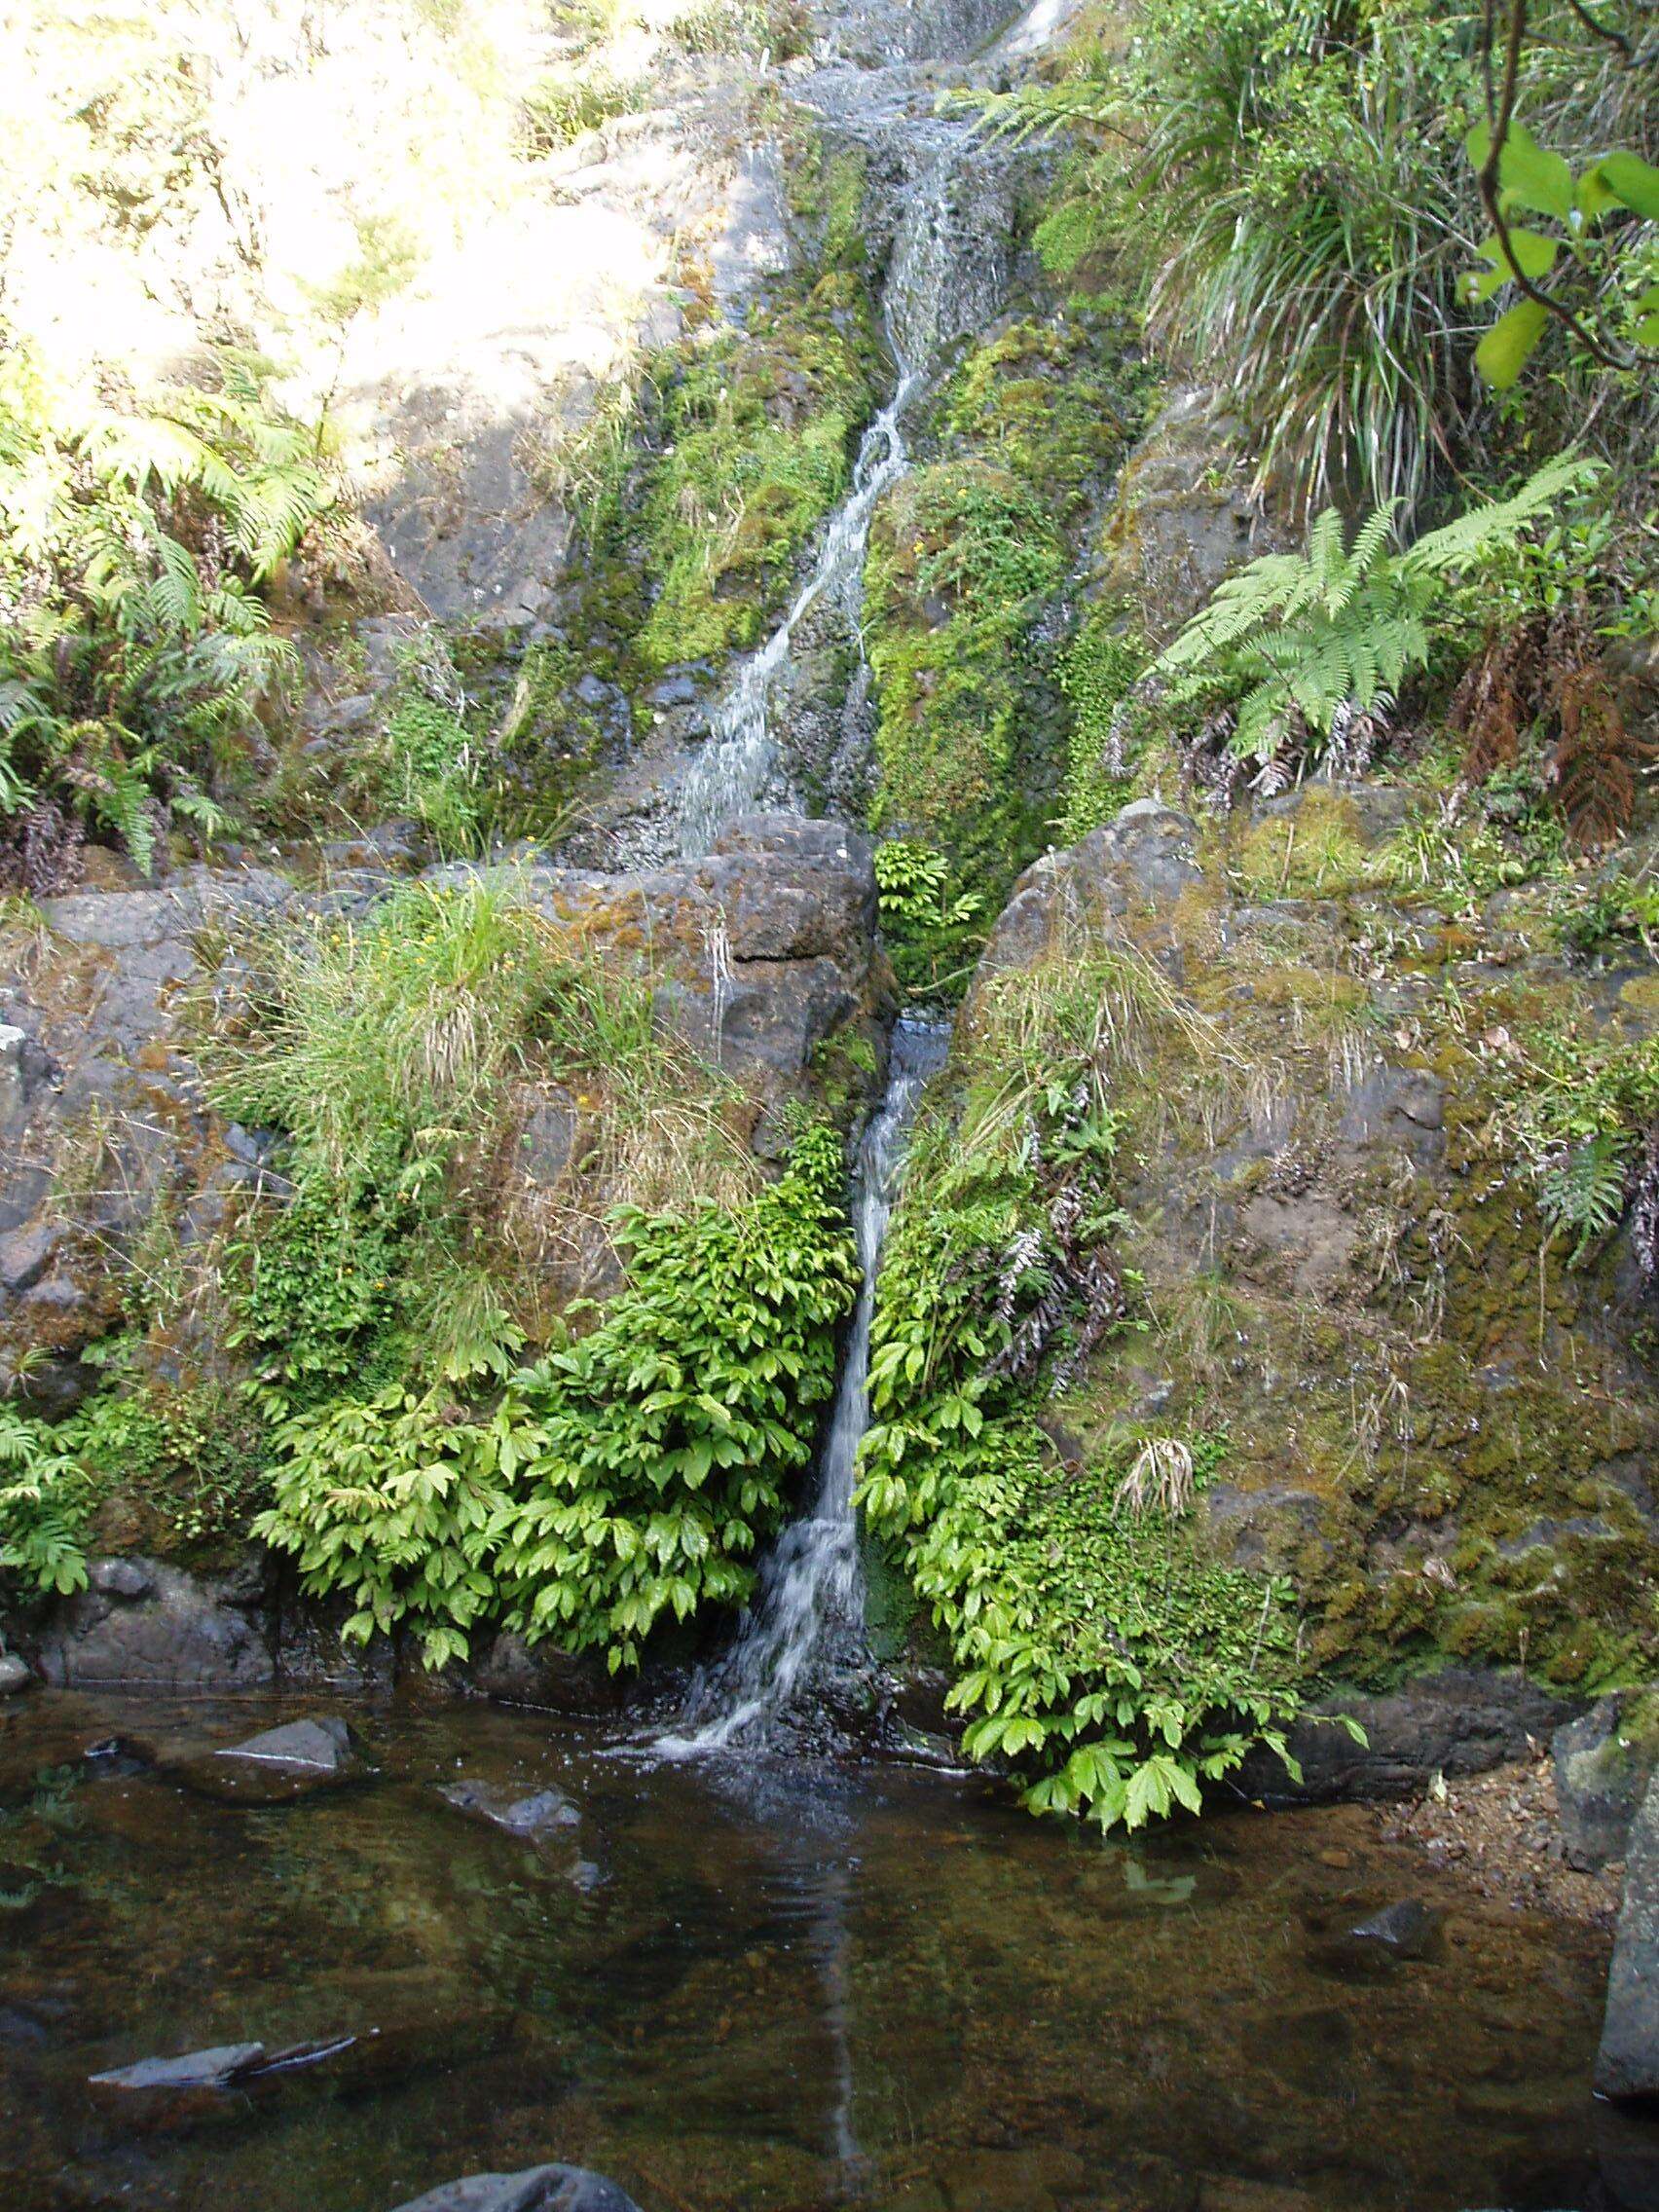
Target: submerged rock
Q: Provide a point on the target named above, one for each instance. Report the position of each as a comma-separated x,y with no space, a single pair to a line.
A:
538,2188
537,1818
163,2092
1627,2062
280,1764
1407,1928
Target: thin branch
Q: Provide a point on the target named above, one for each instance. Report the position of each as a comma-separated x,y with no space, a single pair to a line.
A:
1501,117
1602,30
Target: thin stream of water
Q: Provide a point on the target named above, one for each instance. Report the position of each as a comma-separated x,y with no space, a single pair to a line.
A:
808,1621
943,275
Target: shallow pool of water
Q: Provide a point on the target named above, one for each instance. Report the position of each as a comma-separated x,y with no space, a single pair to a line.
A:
752,1989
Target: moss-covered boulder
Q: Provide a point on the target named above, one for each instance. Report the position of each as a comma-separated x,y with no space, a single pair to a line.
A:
1345,1122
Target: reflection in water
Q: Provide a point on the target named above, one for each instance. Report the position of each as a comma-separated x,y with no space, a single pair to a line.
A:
757,1986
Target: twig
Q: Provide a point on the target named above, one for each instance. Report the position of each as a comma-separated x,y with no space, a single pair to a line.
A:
1501,114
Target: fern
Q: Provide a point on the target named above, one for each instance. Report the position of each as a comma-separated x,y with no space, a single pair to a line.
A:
1585,1190
132,547
1299,636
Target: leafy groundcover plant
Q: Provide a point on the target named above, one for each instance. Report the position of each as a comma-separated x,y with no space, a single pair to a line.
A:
1098,1651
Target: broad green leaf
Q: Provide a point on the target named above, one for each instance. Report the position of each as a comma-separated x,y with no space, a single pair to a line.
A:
1532,255
1507,346
1632,180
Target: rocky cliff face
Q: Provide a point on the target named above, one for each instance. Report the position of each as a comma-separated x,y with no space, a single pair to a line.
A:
1439,1419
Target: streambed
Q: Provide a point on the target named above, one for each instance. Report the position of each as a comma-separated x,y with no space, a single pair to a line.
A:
746,1986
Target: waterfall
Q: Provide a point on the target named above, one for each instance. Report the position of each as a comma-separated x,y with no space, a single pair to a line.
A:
945,277
726,778
808,1620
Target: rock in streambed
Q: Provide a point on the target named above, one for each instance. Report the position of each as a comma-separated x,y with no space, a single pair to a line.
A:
538,2188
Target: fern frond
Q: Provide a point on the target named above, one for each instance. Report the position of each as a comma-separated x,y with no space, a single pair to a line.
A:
1483,527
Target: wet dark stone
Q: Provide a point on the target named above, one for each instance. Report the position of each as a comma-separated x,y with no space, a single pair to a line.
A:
537,1819
1407,1928
276,1766
538,2188
1627,2065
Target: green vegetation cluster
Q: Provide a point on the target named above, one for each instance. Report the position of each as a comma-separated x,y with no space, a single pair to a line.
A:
969,558
136,657
1097,1649
1290,179
444,1438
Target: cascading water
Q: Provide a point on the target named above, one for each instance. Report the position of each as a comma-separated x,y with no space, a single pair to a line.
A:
944,277
728,773
809,1619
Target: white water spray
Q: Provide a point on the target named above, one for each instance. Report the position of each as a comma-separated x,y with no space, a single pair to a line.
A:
809,1619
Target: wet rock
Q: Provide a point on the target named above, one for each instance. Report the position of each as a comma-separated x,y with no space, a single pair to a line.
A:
1459,1720
276,1766
1601,1771
1407,1928
543,1817
1627,2065
143,1624
15,1674
538,2188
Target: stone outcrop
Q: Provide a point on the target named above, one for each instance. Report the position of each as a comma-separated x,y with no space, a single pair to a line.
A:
143,1625
101,1116
1435,1426
1604,1762
1627,2066
1186,516
763,950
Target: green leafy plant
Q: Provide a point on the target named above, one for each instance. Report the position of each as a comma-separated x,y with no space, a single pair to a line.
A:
931,925
1097,1652
1585,273
46,1495
140,658
1295,637
632,1473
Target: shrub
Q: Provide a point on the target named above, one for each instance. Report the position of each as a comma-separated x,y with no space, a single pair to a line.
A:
139,659
1097,1652
1295,637
632,1473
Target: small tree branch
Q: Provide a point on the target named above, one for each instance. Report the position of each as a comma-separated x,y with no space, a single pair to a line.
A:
1602,30
1501,114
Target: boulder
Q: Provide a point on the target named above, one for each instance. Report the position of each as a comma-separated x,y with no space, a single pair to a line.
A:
144,1625
1627,2065
538,2188
14,1674
1603,1765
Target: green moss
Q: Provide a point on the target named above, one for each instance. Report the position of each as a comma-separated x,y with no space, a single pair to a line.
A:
753,448
969,557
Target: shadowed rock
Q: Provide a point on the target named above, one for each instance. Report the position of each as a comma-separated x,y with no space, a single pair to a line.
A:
1627,2065
280,1764
538,2188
